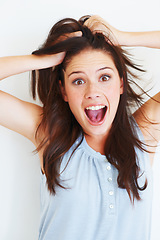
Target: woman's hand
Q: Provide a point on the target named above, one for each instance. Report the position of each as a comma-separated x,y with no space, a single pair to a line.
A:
97,24
18,64
47,61
68,35
149,39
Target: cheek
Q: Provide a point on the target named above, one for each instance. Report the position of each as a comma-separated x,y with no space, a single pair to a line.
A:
113,95
74,99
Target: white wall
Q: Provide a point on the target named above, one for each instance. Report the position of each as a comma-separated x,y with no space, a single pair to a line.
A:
23,27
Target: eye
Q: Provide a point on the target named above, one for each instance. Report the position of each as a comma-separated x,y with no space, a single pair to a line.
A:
104,78
78,82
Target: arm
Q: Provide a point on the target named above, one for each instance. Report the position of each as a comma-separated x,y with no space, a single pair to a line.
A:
151,128
17,64
146,39
15,114
142,39
19,116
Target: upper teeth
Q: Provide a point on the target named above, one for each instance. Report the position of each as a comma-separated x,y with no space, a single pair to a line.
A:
94,107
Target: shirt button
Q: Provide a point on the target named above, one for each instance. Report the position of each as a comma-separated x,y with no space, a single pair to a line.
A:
108,167
111,193
111,206
109,179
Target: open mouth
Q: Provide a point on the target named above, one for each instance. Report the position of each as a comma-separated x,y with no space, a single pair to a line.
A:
96,113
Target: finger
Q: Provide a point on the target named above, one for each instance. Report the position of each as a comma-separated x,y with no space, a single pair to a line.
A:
68,35
91,21
59,57
71,35
75,34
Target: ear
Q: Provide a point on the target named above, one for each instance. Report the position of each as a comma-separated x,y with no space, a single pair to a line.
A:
121,86
64,95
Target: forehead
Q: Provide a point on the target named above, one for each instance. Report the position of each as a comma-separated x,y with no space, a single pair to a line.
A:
90,59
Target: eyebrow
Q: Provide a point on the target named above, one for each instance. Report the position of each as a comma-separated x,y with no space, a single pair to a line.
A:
100,69
75,73
104,69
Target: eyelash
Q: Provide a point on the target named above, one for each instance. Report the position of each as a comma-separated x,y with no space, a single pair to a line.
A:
76,81
106,76
81,80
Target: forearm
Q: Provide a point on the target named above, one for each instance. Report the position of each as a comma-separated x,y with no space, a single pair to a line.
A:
15,64
146,39
143,39
18,64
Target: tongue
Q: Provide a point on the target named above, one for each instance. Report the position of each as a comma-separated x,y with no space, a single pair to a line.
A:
95,115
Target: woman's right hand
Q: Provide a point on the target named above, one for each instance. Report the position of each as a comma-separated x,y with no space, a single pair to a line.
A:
47,61
17,64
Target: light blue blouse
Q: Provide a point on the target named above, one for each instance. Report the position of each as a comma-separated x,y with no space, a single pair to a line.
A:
93,207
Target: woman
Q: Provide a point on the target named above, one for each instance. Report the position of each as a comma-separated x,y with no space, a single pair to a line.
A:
96,178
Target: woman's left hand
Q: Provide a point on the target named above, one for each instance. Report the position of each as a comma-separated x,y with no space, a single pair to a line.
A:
149,39
97,24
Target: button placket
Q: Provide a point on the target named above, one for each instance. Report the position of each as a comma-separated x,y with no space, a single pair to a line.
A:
111,193
111,197
108,167
109,179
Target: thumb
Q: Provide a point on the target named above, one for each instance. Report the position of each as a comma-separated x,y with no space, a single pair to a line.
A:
59,57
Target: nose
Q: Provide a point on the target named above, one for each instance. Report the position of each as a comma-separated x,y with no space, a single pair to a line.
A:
92,91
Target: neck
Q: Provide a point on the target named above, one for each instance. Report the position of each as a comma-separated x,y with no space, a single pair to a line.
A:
97,143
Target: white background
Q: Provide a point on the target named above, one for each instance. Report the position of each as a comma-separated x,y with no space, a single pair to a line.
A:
24,25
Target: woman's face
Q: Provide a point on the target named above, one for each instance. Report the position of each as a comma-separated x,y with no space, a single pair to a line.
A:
92,89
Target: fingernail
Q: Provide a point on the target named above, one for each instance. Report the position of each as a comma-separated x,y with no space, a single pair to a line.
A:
78,33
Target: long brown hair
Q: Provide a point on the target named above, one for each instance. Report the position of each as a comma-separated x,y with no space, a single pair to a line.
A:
60,125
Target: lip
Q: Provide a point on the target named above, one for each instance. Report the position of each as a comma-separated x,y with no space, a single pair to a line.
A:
96,123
